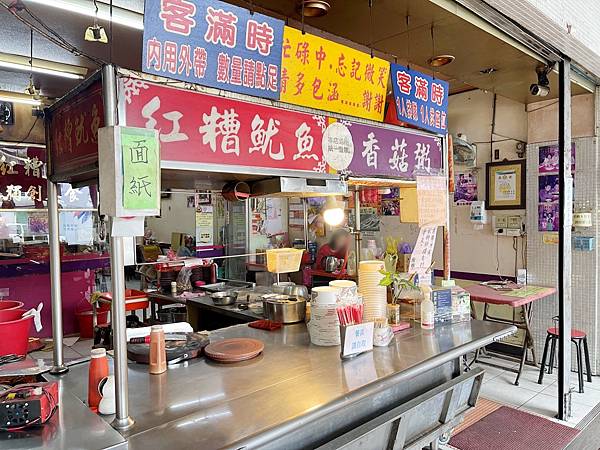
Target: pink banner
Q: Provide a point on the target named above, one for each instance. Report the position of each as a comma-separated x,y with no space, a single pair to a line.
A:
201,128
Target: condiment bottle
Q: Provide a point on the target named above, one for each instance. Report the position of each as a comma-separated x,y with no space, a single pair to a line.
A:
158,353
98,370
427,309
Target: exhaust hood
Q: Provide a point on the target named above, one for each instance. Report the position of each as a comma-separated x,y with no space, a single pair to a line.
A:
298,187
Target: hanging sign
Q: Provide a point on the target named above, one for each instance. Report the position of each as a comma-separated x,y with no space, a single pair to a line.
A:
420,100
213,43
325,75
201,128
129,172
141,169
393,153
432,200
72,128
22,177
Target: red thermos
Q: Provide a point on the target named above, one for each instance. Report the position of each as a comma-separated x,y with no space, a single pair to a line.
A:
97,371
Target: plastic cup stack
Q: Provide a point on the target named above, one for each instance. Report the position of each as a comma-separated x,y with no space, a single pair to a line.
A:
374,295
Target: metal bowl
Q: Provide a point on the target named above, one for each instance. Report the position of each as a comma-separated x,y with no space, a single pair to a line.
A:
224,298
294,290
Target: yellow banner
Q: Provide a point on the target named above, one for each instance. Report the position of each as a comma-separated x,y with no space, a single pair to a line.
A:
325,75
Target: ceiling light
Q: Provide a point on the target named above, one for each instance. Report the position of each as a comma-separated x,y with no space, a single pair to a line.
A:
313,8
333,212
440,60
120,16
15,97
22,64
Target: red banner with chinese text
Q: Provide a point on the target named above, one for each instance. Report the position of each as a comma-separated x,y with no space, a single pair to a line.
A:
200,128
73,131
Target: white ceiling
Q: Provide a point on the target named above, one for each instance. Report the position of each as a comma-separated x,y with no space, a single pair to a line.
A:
474,49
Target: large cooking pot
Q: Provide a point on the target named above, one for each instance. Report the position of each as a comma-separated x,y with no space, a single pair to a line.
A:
284,308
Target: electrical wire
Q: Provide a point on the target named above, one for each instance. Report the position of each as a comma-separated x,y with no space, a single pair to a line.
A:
24,139
44,30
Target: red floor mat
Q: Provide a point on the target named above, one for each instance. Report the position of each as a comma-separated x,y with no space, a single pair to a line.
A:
510,429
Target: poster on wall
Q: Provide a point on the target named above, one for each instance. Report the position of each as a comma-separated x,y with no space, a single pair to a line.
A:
465,187
548,159
548,217
370,219
549,187
204,225
390,203
505,183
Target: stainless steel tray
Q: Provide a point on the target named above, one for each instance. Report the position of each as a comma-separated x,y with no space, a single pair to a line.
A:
226,285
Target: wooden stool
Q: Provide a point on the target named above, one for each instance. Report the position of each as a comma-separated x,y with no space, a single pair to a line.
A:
579,338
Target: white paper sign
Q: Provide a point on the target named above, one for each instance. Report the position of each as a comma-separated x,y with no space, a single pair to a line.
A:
338,147
127,226
359,338
421,257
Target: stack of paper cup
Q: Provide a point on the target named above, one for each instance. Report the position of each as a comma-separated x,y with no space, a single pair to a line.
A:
323,327
347,290
374,295
324,295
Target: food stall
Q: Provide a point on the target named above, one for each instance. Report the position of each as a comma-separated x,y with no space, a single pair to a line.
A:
405,392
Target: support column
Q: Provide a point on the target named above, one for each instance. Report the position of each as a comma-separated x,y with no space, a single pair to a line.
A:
305,221
564,240
122,420
357,235
58,365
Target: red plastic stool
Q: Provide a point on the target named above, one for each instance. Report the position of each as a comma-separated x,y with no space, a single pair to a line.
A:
579,338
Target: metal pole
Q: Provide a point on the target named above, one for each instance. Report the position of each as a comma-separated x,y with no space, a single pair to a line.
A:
122,420
305,219
58,366
564,240
357,236
446,230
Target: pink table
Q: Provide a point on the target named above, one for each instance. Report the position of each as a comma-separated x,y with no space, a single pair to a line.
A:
488,296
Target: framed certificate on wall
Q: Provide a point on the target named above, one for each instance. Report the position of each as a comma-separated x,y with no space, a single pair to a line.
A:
505,182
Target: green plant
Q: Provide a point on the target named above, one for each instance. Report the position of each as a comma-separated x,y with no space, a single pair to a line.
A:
396,282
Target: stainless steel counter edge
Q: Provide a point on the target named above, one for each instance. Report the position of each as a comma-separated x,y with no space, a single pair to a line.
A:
370,390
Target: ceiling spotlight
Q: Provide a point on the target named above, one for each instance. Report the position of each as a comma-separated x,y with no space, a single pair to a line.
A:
313,8
96,33
440,60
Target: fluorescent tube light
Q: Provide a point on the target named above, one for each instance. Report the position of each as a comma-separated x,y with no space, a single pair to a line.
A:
120,16
27,68
18,98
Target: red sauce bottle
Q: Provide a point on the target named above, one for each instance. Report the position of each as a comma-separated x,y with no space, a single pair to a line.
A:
97,371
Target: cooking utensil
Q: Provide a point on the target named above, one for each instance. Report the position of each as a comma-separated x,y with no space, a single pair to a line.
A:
284,309
224,298
331,264
291,289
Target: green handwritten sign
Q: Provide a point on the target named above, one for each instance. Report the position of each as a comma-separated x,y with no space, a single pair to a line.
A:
141,168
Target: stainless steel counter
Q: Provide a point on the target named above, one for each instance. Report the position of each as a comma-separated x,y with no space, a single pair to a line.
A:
73,426
290,391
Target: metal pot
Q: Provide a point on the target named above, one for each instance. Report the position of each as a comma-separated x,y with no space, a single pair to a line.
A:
331,264
224,298
291,289
284,309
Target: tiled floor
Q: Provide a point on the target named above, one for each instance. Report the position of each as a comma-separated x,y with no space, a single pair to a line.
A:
498,385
